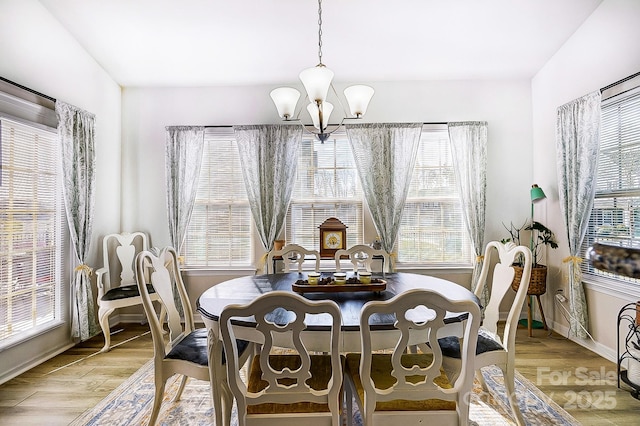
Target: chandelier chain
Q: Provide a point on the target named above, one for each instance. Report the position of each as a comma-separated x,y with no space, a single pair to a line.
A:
320,32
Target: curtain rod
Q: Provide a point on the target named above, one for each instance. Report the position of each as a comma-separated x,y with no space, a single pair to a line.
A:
620,81
27,89
431,122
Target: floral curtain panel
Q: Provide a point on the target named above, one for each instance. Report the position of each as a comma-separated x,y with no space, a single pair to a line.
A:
183,157
385,155
269,158
76,130
577,141
469,147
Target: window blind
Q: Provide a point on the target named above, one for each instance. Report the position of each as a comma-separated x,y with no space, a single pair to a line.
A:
615,218
432,230
219,233
327,185
30,228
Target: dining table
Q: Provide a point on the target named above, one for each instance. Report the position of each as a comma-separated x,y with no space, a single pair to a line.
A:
245,289
349,298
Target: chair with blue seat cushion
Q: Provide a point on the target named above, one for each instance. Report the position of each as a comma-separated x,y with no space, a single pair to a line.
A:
116,280
496,348
188,349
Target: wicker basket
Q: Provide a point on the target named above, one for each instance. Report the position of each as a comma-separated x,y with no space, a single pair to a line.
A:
537,282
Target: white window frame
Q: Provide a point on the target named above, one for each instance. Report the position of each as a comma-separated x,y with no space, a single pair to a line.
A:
621,228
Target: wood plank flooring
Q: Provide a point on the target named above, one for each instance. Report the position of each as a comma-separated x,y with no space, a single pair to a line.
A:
59,390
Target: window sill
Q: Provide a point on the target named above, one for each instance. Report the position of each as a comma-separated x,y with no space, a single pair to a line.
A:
29,335
201,272
611,287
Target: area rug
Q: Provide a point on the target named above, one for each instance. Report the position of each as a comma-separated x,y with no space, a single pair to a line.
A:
131,402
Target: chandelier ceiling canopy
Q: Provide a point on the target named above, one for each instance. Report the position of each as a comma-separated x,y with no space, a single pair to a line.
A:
317,83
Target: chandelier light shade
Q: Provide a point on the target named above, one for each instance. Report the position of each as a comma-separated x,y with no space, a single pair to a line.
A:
358,97
317,82
320,113
285,99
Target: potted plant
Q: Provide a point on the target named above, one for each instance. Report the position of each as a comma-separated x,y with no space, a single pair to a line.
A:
541,236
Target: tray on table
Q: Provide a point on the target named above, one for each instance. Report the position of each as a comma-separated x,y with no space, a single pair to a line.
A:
303,286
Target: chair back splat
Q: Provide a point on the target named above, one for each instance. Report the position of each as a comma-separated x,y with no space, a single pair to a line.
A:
296,377
392,385
292,255
361,257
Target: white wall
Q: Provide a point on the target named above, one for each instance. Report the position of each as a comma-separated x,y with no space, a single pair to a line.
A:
602,51
36,52
506,105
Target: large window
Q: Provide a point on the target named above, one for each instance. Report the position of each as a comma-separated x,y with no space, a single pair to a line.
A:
615,218
432,231
31,223
327,185
219,233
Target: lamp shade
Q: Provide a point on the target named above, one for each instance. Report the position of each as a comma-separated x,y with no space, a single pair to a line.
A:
285,99
358,97
316,82
314,111
537,193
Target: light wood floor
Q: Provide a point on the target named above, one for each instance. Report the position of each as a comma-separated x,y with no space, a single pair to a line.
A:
61,389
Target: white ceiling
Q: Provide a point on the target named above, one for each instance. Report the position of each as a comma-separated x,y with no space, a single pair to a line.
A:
241,42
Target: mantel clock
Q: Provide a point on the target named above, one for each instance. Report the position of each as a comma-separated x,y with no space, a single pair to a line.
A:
333,237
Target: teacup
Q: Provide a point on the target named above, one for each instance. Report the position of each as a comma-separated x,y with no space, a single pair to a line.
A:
313,278
364,277
340,277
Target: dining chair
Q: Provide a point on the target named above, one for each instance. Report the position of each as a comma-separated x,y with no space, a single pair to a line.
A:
393,386
495,348
362,256
292,254
116,279
188,350
295,377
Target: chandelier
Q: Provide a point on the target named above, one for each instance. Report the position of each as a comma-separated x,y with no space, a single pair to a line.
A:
317,82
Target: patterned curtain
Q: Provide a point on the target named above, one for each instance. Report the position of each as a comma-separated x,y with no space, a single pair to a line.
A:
578,142
469,148
76,130
183,157
269,158
385,155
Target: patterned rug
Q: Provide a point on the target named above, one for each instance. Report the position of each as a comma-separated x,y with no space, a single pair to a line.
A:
131,402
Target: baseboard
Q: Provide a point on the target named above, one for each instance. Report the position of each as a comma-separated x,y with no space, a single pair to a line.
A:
32,363
598,348
563,330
